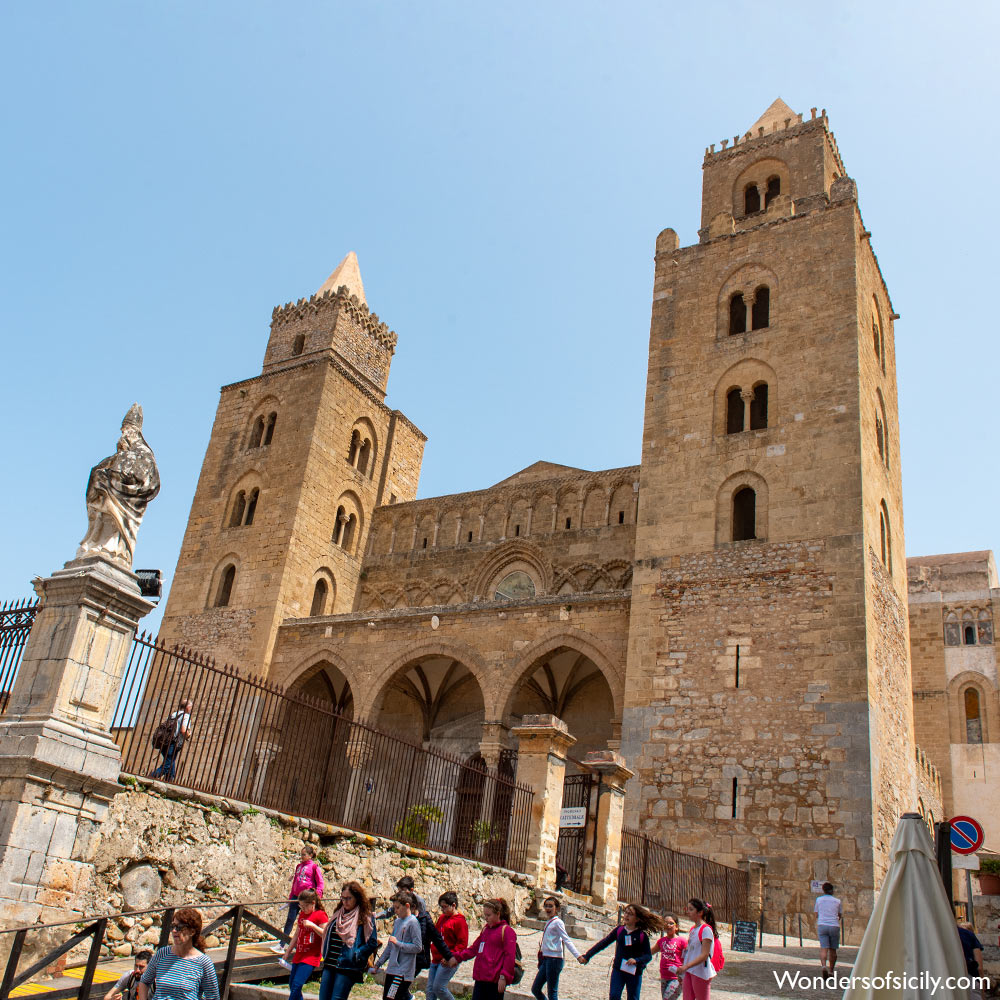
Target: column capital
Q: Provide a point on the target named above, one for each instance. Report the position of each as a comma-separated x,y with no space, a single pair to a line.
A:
543,734
610,765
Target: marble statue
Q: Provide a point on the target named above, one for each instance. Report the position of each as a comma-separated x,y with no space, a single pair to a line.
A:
118,491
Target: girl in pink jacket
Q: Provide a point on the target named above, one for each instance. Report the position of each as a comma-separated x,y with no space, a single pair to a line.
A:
308,875
494,952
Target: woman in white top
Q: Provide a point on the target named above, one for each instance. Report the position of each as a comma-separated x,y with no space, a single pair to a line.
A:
697,969
550,952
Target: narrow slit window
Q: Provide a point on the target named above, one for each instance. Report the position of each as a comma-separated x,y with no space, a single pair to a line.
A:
736,794
225,591
621,517
737,666
319,599
470,536
569,523
424,546
517,530
744,515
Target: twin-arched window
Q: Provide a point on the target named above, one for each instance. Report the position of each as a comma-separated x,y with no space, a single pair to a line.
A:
345,528
751,195
244,508
263,430
737,400
359,455
760,311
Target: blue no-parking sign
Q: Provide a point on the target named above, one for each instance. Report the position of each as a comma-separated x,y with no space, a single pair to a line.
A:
966,835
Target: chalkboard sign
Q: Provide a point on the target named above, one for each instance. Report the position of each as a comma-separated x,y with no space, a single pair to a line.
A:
745,936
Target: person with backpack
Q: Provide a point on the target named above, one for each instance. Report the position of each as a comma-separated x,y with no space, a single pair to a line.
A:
405,884
127,986
495,952
671,949
349,943
632,951
550,951
307,875
454,928
169,737
306,945
703,955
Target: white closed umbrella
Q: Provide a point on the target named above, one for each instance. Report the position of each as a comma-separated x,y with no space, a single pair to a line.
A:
911,946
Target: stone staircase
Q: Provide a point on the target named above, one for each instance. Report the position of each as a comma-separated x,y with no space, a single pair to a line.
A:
584,920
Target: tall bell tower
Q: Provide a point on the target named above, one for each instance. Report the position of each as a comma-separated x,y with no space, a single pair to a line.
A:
768,708
299,457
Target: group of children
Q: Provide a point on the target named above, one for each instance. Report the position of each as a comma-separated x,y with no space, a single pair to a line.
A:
344,943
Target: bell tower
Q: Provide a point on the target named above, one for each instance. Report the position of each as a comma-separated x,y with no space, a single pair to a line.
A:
768,707
299,457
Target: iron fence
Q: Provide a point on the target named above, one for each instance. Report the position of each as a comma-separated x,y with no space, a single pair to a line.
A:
16,618
664,879
252,741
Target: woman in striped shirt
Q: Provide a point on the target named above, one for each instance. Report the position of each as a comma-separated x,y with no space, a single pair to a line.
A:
182,970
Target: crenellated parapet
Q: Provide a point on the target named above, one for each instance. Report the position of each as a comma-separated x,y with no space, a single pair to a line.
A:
318,310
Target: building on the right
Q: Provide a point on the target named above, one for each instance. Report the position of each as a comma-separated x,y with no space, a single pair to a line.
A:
956,707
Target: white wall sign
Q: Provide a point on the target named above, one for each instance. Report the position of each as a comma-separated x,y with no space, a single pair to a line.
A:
816,886
573,817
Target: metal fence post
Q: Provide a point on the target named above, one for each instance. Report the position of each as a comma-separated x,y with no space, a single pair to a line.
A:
784,936
165,921
92,959
227,969
12,959
800,930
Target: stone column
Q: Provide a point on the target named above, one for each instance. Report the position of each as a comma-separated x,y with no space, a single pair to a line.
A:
610,821
59,766
542,743
756,867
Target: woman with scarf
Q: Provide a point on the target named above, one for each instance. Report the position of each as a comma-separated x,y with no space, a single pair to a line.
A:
350,941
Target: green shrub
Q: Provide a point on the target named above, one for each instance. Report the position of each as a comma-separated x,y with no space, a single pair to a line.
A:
416,828
989,866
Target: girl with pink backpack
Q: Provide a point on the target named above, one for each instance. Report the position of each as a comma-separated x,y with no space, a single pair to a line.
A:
703,956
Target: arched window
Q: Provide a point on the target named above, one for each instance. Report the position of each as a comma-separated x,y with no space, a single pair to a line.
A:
876,336
758,407
973,717
744,515
363,457
297,344
737,314
985,628
318,606
225,591
879,435
885,536
751,199
734,411
239,509
761,313
952,633
269,432
773,190
257,433
347,535
252,506
968,629
355,448
338,525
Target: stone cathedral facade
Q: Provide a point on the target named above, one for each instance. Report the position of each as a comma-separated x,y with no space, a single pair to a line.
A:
730,614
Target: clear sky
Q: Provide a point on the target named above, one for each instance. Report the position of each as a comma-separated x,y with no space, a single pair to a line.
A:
174,170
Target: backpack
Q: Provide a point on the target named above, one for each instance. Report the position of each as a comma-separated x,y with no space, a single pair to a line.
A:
717,959
163,735
518,964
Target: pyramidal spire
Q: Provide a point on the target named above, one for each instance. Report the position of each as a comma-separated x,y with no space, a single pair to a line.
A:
346,273
775,115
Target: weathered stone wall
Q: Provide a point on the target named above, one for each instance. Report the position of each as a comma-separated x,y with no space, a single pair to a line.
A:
162,846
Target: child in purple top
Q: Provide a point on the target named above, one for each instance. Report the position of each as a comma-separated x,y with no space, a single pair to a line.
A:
308,875
671,948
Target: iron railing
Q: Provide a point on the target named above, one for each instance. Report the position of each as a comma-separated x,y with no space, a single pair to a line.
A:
16,618
254,742
94,930
664,879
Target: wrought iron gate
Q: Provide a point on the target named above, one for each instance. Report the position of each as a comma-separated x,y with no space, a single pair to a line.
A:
575,850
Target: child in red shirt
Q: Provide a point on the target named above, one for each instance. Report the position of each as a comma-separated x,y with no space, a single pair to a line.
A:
307,942
455,930
671,948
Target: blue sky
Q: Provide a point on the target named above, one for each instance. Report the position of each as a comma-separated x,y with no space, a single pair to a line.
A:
173,171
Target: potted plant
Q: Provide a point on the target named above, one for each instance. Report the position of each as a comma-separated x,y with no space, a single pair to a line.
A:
989,876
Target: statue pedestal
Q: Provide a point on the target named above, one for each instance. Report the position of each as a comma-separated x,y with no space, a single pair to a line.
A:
59,766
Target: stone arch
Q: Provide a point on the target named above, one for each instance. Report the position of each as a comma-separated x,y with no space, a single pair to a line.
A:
371,600
495,516
348,523
452,530
426,531
266,407
513,553
517,519
568,500
325,675
622,503
595,506
615,570
220,594
989,706
745,280
433,694
360,455
570,674
761,174
745,375
543,512
724,505
322,577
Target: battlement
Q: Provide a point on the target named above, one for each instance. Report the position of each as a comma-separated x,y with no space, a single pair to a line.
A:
318,307
761,136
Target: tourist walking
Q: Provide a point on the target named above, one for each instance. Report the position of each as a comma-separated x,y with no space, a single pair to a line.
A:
349,943
405,884
454,929
550,952
827,911
671,947
182,970
307,875
305,948
400,954
632,951
697,968
128,985
169,737
494,951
